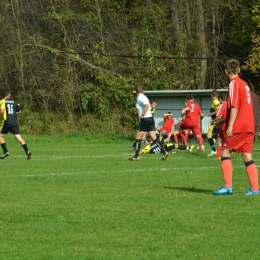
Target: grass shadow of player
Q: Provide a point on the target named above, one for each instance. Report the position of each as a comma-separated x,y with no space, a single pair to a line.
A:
189,189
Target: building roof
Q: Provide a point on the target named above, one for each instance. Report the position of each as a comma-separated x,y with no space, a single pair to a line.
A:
167,93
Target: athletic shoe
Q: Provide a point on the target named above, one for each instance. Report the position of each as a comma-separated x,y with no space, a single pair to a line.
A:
5,155
165,156
251,192
212,153
191,147
135,158
29,155
224,191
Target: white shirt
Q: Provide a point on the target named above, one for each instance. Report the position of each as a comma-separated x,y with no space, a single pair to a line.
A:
141,101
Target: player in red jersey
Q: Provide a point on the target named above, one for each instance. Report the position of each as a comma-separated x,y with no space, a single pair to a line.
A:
168,125
221,114
192,119
183,133
240,131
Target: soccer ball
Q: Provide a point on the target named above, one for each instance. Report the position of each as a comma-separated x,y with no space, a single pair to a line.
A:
203,148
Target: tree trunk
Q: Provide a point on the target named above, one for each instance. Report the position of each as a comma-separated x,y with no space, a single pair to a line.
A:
202,45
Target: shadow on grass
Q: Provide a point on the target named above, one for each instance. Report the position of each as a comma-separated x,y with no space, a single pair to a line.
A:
191,189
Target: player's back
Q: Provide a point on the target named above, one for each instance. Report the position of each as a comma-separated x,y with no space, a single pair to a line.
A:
193,113
240,97
11,107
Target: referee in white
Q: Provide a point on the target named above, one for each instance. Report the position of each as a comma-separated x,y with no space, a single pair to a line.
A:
146,124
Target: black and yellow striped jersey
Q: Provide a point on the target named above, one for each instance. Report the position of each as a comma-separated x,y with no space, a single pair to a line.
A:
10,107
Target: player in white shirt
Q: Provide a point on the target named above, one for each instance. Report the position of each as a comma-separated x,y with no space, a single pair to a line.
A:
146,123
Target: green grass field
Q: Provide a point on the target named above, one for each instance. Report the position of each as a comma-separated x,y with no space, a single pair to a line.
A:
81,198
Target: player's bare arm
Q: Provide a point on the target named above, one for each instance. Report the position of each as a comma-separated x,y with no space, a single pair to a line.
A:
184,110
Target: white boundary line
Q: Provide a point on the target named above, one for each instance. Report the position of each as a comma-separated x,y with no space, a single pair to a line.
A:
123,171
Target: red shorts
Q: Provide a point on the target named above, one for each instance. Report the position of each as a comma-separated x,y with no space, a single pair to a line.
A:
222,134
195,128
241,142
167,131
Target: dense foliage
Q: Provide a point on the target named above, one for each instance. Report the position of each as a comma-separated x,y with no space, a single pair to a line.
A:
78,61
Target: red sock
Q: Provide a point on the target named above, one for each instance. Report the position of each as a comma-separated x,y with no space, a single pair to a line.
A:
252,174
175,137
200,139
219,151
227,171
183,138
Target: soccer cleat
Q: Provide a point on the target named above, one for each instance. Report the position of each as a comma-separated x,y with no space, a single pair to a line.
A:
212,153
165,156
200,150
29,155
251,192
135,158
223,191
5,155
191,147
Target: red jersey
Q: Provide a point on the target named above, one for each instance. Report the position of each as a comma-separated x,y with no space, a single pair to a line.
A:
167,126
222,113
239,96
193,114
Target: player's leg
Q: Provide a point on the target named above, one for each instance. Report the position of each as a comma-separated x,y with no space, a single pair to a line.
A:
227,173
211,141
175,136
16,132
252,172
24,145
138,141
159,144
169,148
220,142
251,169
221,137
3,146
184,137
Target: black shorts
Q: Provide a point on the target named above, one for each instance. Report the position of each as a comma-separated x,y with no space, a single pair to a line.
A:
146,124
12,129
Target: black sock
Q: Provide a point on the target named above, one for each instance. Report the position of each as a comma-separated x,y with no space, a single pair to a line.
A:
212,144
25,148
3,145
183,147
137,147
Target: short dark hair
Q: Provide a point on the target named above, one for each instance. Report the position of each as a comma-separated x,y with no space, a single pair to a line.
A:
189,97
6,92
224,97
232,66
214,93
139,89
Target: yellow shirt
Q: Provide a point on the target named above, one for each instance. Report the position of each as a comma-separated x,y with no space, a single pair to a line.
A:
2,106
214,107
